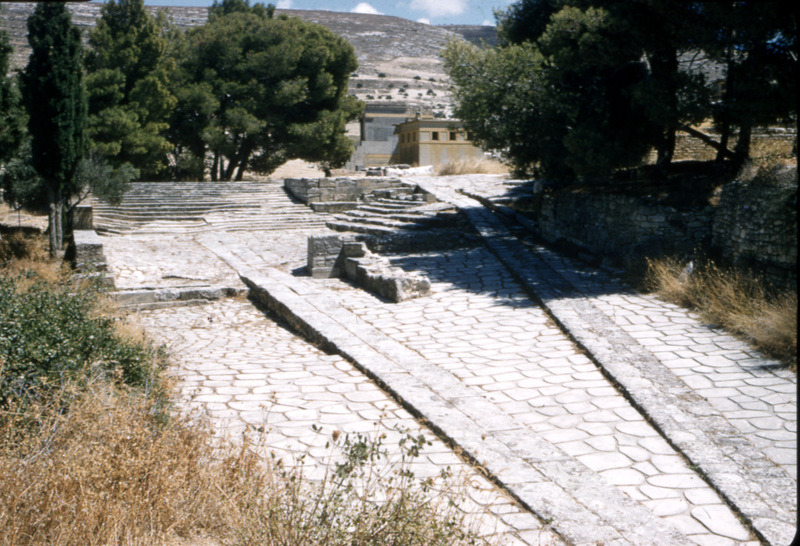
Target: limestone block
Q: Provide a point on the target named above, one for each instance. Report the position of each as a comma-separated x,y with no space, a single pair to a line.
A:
323,260
82,217
89,254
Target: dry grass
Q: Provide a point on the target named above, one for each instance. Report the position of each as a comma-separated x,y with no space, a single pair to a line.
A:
109,472
92,461
473,165
733,300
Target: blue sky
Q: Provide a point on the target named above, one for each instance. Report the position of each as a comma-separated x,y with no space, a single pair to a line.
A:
437,12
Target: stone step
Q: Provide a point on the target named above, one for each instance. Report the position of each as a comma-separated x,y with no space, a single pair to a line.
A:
385,209
369,229
375,221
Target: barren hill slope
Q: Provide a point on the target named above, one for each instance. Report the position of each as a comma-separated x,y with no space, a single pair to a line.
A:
398,58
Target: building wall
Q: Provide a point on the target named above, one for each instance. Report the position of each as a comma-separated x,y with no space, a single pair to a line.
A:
433,142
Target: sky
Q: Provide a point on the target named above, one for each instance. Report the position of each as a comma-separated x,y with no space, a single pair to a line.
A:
436,12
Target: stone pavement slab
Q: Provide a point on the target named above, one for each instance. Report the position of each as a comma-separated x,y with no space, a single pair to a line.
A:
583,505
246,372
685,415
565,426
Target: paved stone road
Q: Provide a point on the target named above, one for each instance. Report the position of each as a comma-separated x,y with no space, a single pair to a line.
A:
716,402
241,368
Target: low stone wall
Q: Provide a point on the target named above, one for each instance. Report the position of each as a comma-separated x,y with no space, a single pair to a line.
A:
89,257
344,256
755,226
324,190
689,148
618,228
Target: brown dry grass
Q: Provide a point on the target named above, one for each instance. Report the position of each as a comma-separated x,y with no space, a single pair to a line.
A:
733,300
473,165
97,462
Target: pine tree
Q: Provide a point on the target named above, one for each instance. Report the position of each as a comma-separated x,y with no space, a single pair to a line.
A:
53,91
277,87
11,118
130,100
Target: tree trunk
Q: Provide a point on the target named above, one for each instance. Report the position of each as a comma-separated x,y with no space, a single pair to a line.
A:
742,150
214,167
708,140
664,68
51,229
55,227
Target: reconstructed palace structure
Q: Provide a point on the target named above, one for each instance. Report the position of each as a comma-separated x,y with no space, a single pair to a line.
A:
393,133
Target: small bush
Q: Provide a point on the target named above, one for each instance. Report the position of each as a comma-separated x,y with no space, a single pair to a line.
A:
473,165
738,302
50,333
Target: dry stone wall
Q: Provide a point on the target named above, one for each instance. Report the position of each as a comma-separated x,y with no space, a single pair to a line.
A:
754,226
327,190
619,228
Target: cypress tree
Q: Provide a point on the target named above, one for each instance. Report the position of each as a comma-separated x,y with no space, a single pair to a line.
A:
55,98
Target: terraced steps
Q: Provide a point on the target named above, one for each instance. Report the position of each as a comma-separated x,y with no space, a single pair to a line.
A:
387,216
194,207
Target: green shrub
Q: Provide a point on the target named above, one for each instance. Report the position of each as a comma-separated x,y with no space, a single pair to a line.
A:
51,336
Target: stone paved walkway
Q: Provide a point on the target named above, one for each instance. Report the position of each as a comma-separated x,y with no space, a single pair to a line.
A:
242,369
557,431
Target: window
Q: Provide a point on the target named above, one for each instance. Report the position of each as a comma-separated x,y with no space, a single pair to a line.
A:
434,135
453,135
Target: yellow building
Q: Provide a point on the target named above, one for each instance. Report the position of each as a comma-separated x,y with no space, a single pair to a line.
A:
428,141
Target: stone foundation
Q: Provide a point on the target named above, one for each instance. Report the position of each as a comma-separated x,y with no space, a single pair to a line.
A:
344,256
329,190
754,226
89,257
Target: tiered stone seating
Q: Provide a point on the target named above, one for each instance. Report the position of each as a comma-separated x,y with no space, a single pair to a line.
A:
193,207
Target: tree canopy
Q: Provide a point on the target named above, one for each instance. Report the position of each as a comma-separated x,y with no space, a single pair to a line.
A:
258,90
11,115
130,101
598,84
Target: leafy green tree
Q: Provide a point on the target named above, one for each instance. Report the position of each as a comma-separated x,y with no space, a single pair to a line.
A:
617,78
128,81
756,42
54,94
261,90
12,120
562,106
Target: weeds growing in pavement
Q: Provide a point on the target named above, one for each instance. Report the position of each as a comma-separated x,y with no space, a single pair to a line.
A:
738,302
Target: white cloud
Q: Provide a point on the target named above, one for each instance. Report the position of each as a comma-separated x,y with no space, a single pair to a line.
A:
364,7
488,23
440,7
424,21
284,4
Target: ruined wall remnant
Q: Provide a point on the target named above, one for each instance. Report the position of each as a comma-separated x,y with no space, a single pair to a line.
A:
754,225
328,190
345,256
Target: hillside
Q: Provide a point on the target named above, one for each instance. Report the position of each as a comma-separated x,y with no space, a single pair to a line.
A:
398,58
